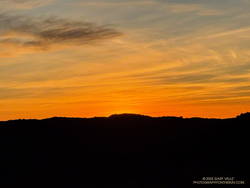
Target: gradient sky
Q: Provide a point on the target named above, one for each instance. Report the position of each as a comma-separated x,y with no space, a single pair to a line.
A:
98,57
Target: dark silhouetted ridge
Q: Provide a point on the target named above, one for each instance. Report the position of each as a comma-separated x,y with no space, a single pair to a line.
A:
128,116
123,150
244,116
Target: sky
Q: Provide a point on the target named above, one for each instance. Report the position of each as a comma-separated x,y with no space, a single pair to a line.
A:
86,58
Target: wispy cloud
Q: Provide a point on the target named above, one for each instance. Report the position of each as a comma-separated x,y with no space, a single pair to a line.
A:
115,3
172,6
193,8
23,4
229,33
40,33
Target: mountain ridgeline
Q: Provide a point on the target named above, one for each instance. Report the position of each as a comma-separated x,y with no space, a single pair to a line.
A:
126,150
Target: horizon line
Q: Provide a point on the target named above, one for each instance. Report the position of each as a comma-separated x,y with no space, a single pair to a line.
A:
124,114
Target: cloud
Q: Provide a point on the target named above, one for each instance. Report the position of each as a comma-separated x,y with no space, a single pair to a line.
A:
229,33
114,3
171,5
42,34
194,8
198,1
23,4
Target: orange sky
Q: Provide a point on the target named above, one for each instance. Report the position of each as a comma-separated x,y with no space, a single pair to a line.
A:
87,58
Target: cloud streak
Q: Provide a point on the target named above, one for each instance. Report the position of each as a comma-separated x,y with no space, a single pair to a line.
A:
21,31
23,4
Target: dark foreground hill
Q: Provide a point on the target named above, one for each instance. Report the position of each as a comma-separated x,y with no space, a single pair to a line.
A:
123,151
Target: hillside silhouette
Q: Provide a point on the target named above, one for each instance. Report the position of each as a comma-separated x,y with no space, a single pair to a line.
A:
123,150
